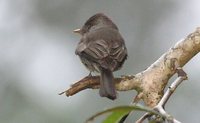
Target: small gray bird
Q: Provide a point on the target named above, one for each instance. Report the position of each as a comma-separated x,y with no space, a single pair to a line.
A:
102,49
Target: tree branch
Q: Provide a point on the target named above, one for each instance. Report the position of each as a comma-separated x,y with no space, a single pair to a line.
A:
151,82
93,82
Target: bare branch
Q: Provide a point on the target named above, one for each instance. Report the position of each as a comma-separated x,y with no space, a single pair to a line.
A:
151,82
93,82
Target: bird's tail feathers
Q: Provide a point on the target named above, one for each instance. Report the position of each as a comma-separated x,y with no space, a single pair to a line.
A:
107,87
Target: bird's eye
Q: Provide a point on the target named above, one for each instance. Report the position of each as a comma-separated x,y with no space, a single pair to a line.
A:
92,28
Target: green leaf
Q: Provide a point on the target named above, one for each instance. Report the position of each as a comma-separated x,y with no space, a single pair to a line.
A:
120,111
115,117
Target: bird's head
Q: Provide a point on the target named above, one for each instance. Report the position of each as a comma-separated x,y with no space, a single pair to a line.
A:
97,21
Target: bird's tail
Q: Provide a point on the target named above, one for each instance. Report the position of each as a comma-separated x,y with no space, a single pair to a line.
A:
107,87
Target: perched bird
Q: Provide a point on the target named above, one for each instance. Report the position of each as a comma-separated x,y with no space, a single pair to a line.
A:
102,49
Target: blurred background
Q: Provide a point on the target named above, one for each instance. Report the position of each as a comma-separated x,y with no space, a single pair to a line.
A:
37,59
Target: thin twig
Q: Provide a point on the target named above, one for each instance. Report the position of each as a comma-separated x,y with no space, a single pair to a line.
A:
143,118
171,90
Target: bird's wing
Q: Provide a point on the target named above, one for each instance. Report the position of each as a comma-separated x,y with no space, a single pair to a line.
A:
118,51
109,56
118,54
95,50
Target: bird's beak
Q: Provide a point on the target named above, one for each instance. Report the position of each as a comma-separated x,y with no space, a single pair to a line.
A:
77,31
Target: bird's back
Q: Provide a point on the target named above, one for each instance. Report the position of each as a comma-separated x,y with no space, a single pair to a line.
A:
105,47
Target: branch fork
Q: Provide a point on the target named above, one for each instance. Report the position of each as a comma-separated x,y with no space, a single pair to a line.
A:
160,106
150,83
